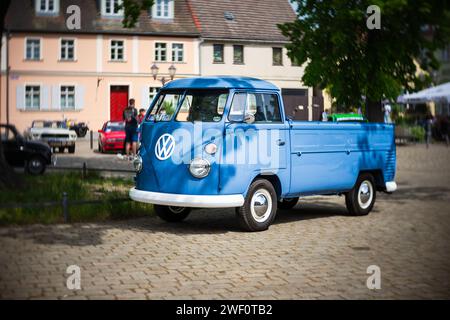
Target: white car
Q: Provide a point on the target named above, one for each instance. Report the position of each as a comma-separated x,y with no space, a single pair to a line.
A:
54,133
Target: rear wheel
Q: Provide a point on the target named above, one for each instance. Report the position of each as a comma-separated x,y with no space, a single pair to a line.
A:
172,214
35,165
287,203
260,207
361,199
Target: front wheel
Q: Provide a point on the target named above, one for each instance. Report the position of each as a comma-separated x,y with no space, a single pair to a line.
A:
260,207
171,214
35,165
361,199
72,149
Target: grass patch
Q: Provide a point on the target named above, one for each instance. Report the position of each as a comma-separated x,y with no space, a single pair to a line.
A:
50,187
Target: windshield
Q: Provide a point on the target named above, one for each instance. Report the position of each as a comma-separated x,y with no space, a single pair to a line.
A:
115,127
196,105
49,124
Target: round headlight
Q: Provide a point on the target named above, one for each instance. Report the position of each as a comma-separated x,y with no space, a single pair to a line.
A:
199,168
137,163
211,148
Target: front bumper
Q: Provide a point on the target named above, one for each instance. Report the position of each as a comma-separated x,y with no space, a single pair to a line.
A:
188,200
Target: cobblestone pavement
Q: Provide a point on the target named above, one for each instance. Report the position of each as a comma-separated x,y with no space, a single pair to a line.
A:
315,251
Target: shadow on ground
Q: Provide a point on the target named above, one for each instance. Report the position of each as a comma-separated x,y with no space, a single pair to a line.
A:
212,221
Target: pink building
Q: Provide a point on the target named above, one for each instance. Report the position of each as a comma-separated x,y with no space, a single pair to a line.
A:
88,74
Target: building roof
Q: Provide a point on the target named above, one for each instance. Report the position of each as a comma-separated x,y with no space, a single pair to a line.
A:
21,17
242,20
221,82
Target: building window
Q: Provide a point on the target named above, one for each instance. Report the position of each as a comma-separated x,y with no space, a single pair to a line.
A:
117,50
238,54
160,51
33,49
67,49
218,53
111,8
277,56
163,9
152,91
47,6
32,97
67,97
177,52
294,62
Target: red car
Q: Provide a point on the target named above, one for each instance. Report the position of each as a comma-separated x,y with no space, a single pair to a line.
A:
111,136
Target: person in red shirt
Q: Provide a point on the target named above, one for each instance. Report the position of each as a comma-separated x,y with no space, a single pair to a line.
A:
141,116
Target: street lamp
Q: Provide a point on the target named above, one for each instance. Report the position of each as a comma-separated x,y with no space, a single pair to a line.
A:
155,69
172,71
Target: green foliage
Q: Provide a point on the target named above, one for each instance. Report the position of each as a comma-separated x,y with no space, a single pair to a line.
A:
168,107
49,188
418,133
132,10
353,62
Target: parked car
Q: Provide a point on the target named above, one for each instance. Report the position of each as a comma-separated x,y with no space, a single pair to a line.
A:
34,156
81,128
54,133
226,142
111,136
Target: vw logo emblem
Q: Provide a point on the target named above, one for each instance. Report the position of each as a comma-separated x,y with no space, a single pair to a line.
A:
164,146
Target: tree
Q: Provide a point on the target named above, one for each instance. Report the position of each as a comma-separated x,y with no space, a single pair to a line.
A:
132,9
361,66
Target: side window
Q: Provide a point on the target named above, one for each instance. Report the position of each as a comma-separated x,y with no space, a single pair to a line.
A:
237,107
7,134
267,109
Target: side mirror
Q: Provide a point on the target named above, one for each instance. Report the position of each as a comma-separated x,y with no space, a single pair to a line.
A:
249,118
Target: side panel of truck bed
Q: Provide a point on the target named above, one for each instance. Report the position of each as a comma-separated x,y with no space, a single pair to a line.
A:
327,157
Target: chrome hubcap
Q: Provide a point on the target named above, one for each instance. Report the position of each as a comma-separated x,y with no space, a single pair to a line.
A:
261,205
35,165
365,194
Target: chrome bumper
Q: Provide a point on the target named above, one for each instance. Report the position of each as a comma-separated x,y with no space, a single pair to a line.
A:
188,200
391,186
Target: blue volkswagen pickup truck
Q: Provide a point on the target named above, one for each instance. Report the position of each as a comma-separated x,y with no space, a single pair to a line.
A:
226,142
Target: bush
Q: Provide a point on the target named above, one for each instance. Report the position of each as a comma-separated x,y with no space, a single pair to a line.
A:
418,132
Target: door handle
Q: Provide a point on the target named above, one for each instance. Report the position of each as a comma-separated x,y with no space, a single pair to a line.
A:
281,142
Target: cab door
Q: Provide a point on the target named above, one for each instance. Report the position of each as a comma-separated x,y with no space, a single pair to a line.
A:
11,146
256,139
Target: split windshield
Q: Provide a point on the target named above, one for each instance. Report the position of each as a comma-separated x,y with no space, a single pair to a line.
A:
204,105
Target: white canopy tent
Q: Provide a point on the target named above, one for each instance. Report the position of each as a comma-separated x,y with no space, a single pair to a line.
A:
440,93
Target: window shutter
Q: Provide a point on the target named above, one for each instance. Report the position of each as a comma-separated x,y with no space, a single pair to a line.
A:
145,97
56,4
79,97
55,97
20,97
45,98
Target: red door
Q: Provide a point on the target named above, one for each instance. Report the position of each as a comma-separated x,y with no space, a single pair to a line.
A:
118,102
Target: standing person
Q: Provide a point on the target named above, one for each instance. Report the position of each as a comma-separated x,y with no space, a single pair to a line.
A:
444,129
131,125
141,115
428,128
325,115
387,113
